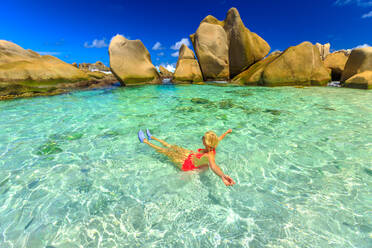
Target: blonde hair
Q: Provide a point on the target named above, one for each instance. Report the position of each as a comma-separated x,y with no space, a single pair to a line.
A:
211,139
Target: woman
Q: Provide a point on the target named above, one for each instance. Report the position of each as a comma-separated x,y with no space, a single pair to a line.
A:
188,160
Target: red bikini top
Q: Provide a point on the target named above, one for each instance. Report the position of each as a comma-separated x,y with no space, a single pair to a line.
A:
199,155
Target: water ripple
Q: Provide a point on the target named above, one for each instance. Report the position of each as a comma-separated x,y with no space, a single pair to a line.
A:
73,174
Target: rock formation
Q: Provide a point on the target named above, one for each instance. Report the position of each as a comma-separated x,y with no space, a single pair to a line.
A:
336,62
298,65
358,69
187,69
18,64
323,49
244,47
253,75
130,62
164,73
361,80
98,66
211,47
25,73
75,65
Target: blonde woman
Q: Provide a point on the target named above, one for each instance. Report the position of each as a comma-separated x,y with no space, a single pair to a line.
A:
187,160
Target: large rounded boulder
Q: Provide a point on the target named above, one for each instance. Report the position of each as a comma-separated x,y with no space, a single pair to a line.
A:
130,62
361,80
336,63
187,69
297,65
358,69
211,47
244,47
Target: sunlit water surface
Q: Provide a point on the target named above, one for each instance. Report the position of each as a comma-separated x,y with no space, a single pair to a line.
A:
73,173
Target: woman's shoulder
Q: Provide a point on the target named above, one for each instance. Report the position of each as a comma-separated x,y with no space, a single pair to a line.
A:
211,153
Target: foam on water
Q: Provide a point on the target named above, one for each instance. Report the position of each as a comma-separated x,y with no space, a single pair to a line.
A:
73,174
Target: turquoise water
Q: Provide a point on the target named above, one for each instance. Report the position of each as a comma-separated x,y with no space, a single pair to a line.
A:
73,174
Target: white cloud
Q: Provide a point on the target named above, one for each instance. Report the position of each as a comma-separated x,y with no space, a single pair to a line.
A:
160,54
342,2
96,44
169,67
175,54
49,53
360,3
157,46
361,46
369,14
178,44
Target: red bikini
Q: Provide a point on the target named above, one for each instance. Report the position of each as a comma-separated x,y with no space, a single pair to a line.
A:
188,163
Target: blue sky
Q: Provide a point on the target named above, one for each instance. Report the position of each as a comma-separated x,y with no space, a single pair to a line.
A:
80,31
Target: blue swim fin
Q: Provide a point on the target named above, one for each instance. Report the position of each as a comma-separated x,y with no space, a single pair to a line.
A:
149,135
141,136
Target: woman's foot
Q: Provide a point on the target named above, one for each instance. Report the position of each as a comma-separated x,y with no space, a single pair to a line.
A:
149,135
141,136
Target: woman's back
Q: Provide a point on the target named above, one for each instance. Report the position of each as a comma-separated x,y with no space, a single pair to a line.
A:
201,157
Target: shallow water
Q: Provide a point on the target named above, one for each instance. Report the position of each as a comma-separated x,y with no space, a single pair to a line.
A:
73,174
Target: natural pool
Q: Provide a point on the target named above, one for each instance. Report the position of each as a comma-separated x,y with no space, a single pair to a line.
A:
73,174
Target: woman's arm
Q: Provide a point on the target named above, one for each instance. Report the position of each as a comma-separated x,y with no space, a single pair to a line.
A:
223,135
217,170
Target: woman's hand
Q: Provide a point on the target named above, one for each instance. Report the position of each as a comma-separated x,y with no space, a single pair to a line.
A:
223,135
227,180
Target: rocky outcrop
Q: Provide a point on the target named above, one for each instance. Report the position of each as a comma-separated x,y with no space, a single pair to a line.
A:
75,64
346,51
164,73
336,63
20,65
187,69
253,76
244,47
98,66
25,73
358,69
211,47
276,53
361,80
323,49
130,62
84,66
298,65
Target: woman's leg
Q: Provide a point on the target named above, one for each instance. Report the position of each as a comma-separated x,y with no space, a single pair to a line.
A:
161,142
175,153
158,148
